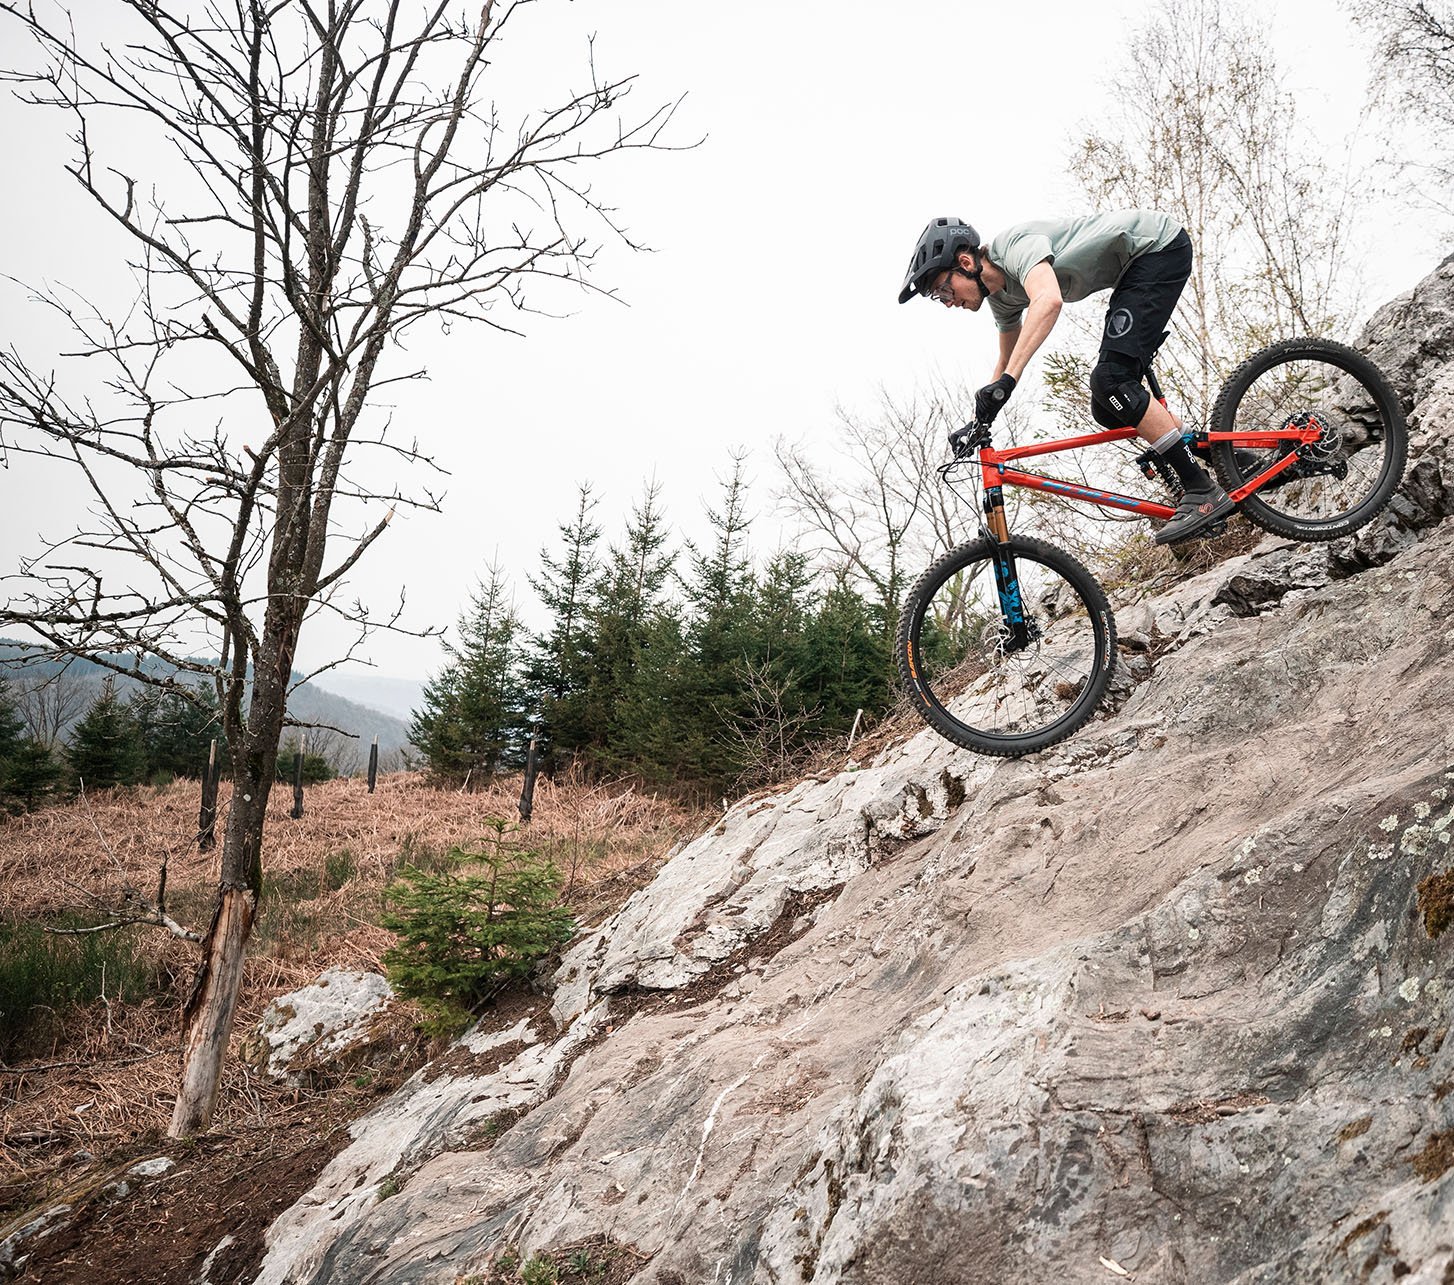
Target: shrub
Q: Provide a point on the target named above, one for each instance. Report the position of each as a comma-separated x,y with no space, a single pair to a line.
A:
316,768
44,976
338,869
469,928
539,1271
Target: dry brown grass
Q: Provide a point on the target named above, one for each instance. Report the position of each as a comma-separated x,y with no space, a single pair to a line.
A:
107,1079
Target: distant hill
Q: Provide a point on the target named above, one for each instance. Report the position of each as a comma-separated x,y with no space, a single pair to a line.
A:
73,685
397,696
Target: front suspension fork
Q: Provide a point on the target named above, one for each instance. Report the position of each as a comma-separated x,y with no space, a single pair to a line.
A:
1007,578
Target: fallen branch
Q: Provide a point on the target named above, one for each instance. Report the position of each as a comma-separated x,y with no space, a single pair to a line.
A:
155,920
60,1066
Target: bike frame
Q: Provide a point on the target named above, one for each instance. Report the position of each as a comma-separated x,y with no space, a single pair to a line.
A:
998,473
994,465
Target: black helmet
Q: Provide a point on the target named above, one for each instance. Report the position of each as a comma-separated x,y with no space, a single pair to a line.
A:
938,245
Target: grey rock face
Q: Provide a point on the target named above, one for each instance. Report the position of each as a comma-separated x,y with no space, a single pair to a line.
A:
16,1249
318,1024
1163,1000
1411,338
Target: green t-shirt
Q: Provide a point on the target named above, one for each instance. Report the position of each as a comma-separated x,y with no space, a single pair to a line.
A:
1087,254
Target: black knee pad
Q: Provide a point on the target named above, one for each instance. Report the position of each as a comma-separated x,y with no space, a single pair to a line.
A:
1118,398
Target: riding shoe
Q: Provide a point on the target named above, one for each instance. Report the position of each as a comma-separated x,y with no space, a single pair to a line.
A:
1197,511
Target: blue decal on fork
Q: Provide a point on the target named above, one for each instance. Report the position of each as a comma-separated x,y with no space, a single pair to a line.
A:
1012,605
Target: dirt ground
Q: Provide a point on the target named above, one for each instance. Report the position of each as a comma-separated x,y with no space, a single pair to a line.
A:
161,1231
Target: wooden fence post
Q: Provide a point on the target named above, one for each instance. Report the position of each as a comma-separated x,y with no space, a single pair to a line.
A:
207,817
527,794
373,764
298,754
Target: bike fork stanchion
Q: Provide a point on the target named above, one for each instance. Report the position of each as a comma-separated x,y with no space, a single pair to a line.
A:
1007,578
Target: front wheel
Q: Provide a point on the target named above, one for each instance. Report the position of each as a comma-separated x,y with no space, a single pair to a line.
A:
1006,659
1340,482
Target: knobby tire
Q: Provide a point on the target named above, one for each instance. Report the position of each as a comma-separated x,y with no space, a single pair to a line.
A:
1237,409
933,705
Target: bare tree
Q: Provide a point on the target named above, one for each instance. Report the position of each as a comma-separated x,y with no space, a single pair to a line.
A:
1212,137
1414,79
889,515
336,174
50,703
767,730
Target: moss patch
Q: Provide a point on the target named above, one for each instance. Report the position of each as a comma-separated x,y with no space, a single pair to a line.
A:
1436,902
1371,1223
1355,1130
598,1260
1437,1157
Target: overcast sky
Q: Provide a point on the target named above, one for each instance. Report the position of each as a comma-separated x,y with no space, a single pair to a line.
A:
833,132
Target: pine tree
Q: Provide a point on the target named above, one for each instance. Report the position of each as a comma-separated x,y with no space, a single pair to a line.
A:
557,667
105,747
176,731
659,732
475,714
722,577
846,658
466,930
12,742
12,729
32,777
629,595
774,714
721,595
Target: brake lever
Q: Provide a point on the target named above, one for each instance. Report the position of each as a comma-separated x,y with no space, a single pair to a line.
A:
962,441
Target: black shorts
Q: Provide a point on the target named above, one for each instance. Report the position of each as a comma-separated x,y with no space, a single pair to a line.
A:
1143,301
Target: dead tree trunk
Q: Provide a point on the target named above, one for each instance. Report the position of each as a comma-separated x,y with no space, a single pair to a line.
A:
209,1011
208,1014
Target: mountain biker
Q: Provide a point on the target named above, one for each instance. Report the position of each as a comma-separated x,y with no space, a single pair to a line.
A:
1028,270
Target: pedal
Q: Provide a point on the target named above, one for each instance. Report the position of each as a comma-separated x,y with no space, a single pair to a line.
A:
1211,532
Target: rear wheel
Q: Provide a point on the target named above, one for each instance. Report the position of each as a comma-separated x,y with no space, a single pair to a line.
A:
1341,481
1006,664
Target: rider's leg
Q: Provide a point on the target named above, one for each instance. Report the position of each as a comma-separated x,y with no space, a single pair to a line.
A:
1136,317
1137,314
1157,423
1119,399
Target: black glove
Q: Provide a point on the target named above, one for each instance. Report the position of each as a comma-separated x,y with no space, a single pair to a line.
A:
991,397
963,440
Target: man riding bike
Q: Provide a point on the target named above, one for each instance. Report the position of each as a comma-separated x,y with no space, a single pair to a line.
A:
1028,270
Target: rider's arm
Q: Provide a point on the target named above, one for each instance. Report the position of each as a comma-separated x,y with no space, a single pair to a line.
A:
1044,292
1008,339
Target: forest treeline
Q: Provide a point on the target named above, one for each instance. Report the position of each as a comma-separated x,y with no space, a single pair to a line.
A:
149,737
691,670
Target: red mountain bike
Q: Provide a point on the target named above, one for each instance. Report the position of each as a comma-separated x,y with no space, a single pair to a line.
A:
1006,644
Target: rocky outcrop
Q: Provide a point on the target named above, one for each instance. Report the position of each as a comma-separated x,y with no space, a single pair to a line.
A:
1170,1000
322,1026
